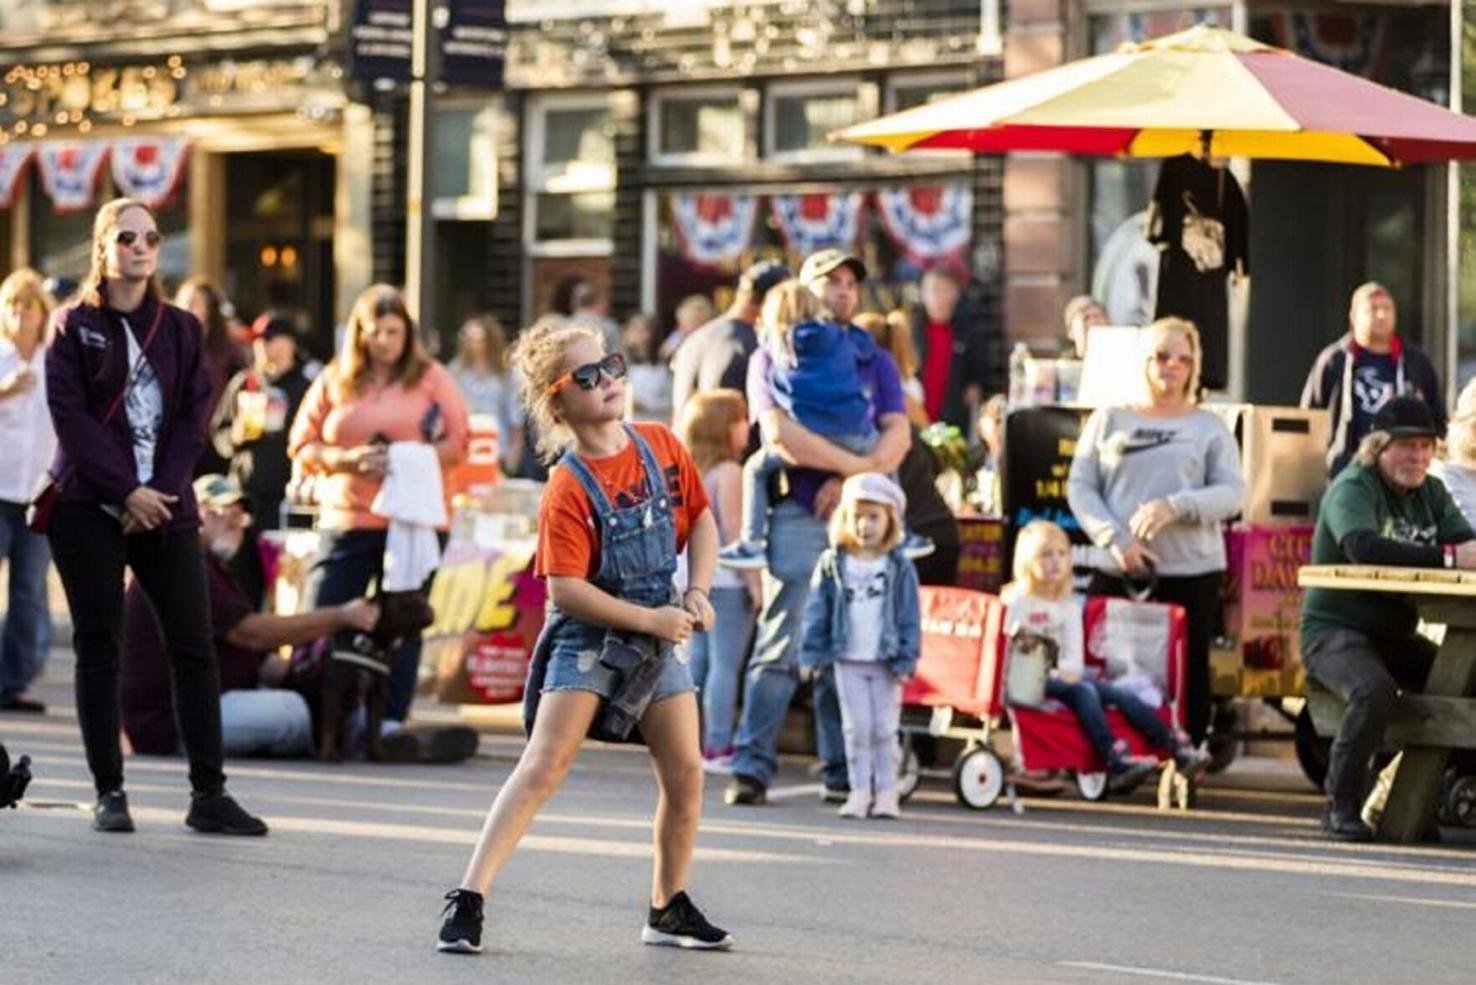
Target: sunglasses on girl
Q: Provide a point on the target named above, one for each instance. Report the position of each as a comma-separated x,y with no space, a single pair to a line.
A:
127,237
587,377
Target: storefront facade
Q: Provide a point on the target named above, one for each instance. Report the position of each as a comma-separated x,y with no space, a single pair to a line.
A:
1316,230
659,151
227,118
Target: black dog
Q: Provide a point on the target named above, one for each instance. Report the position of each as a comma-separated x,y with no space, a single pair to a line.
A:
13,781
357,670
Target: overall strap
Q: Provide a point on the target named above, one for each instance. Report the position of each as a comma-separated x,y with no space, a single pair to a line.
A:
597,498
655,474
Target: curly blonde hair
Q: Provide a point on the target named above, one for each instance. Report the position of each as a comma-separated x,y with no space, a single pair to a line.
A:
538,357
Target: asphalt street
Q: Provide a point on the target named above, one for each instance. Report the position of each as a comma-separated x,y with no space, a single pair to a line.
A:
348,886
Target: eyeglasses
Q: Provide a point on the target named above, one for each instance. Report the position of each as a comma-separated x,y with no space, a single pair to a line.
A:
127,237
1169,357
587,377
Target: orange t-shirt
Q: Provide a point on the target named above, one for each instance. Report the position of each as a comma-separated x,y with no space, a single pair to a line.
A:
569,543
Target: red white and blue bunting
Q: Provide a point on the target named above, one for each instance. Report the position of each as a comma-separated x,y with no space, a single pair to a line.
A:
69,171
13,161
814,222
149,168
714,229
928,222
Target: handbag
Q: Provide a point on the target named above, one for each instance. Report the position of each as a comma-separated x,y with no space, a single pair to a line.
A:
48,491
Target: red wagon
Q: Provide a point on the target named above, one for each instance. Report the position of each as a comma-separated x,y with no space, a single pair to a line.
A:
958,692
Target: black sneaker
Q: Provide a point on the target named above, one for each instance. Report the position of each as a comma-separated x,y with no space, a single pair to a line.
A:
461,923
834,794
681,924
111,813
1125,775
745,790
1345,825
219,814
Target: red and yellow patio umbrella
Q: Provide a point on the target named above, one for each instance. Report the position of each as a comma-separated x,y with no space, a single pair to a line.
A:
1205,91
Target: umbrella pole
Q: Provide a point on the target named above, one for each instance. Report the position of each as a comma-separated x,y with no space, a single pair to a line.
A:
1205,139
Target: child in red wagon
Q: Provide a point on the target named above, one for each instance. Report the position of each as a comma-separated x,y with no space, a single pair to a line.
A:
1040,601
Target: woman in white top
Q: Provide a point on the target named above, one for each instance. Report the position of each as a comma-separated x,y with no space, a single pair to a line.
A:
649,393
489,386
27,436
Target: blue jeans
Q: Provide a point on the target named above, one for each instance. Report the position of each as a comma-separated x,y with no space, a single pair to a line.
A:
762,465
717,656
1089,701
796,539
348,562
265,722
27,635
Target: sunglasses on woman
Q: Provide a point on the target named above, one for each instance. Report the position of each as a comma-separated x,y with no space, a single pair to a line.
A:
1168,357
587,377
127,237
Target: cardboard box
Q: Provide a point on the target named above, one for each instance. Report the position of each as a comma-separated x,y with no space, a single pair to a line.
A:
1283,459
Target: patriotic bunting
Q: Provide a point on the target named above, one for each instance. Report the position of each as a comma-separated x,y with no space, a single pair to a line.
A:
714,229
814,222
928,222
149,168
13,161
69,171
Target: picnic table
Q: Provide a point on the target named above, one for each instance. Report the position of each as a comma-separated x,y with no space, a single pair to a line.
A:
1440,718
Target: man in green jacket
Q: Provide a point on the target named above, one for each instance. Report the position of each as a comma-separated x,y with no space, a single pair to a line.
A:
1384,509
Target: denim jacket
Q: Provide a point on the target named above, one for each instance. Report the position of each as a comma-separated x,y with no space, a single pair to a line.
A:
826,624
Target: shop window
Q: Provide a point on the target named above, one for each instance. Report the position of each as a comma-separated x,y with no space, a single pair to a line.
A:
570,172
911,91
464,165
697,129
801,116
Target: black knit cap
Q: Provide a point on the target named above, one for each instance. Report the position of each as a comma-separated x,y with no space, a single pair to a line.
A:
1406,417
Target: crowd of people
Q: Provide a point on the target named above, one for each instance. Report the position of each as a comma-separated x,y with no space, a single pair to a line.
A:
739,508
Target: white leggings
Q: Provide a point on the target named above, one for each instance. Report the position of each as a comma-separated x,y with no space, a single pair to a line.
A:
871,710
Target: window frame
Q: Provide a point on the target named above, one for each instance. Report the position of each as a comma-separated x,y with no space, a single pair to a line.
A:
537,176
846,85
657,104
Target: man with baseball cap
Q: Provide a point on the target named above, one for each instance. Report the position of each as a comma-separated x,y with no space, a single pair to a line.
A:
1385,509
716,355
809,490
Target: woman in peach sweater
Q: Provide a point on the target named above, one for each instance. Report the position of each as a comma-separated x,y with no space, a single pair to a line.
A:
383,387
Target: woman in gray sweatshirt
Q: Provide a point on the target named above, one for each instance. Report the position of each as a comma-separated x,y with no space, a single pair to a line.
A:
1151,484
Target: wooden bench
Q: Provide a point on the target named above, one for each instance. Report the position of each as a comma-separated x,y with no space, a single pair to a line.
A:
1427,725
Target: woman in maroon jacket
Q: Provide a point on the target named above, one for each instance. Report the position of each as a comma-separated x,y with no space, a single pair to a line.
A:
130,400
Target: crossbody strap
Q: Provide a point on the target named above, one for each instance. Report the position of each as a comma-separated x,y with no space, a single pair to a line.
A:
143,353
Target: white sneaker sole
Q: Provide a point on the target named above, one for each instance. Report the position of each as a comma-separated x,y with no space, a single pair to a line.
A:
458,947
656,938
743,563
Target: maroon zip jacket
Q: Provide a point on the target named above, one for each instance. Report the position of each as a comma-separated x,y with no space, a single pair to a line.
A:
86,367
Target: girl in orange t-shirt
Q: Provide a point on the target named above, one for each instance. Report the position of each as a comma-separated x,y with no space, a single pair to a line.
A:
615,514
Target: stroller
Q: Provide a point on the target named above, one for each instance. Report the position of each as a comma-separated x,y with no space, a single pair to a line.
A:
959,689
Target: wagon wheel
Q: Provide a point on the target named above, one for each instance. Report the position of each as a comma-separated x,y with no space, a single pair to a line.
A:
978,778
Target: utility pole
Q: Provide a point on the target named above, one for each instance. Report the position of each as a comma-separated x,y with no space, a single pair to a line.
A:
420,222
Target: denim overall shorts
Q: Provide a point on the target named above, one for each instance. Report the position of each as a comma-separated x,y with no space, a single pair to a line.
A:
637,560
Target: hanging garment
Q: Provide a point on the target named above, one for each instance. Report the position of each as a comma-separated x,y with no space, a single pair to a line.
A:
413,501
1198,220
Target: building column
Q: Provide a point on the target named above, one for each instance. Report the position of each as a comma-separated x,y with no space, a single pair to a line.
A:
353,252
1042,268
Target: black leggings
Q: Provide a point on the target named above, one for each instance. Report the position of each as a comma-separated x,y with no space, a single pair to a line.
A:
1199,595
91,552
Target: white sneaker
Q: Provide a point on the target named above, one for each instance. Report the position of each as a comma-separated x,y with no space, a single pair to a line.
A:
856,805
887,804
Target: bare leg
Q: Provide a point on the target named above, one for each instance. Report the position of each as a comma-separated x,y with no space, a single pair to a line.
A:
563,720
670,728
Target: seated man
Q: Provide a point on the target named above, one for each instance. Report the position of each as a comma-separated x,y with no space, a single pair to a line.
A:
257,716
1385,509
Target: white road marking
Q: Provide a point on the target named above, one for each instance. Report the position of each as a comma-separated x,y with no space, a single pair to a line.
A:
1178,976
1411,900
